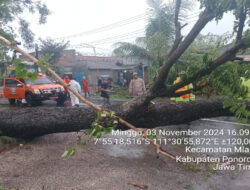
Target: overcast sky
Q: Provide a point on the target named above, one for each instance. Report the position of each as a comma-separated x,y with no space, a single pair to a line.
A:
77,21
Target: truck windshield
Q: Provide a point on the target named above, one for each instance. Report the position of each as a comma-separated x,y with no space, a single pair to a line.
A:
42,80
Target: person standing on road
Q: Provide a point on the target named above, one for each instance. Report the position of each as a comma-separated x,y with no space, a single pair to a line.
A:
105,92
136,86
85,86
76,86
68,101
99,82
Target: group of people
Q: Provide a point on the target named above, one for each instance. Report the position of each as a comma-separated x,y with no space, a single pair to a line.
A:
103,87
76,86
136,88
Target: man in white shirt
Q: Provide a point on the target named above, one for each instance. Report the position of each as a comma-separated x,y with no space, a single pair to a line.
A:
76,86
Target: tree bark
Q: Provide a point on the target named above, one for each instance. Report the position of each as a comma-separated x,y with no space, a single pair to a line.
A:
32,122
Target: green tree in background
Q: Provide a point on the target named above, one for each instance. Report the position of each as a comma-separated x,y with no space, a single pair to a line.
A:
11,14
208,61
159,36
11,11
51,47
55,49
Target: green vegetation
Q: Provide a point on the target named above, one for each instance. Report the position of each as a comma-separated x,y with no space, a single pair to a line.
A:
103,124
11,16
22,72
6,140
224,80
119,93
247,83
11,10
157,42
51,47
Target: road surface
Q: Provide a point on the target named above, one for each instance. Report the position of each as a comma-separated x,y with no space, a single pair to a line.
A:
37,164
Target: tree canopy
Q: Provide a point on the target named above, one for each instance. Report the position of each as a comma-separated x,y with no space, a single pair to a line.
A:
208,61
11,10
49,46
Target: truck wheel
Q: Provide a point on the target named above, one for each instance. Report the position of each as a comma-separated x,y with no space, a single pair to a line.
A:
12,101
19,102
60,102
29,100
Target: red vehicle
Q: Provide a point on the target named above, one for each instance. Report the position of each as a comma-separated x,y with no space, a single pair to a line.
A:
34,92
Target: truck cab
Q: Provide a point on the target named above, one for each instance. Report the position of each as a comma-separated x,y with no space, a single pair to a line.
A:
34,92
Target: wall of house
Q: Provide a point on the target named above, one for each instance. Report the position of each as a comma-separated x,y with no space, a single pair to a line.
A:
106,65
135,60
92,75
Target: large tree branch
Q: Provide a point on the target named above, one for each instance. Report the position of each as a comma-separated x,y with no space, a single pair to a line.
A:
33,122
178,27
158,87
242,19
226,56
171,60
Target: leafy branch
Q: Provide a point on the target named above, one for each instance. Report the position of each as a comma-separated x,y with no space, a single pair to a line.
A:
104,124
22,72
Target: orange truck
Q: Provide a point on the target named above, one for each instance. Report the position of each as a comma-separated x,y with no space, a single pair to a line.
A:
33,92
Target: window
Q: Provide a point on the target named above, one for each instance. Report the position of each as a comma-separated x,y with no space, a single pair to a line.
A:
38,81
11,83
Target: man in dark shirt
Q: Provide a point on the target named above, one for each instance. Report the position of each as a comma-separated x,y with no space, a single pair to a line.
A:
99,82
105,92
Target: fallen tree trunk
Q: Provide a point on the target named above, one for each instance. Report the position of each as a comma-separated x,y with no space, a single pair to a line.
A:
33,122
171,113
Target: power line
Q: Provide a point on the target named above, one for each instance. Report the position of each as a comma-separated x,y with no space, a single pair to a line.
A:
193,21
116,38
192,17
119,36
195,15
113,38
110,39
108,27
121,39
198,12
116,24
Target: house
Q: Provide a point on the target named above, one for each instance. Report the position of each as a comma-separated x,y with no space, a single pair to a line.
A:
114,67
93,66
244,58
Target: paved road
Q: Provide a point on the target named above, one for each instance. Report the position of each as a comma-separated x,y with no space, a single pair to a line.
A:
50,103
38,165
113,166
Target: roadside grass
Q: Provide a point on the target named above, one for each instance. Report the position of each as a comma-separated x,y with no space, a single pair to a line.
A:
119,93
6,140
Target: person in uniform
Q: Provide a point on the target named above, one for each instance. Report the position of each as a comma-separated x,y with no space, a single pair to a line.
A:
136,86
